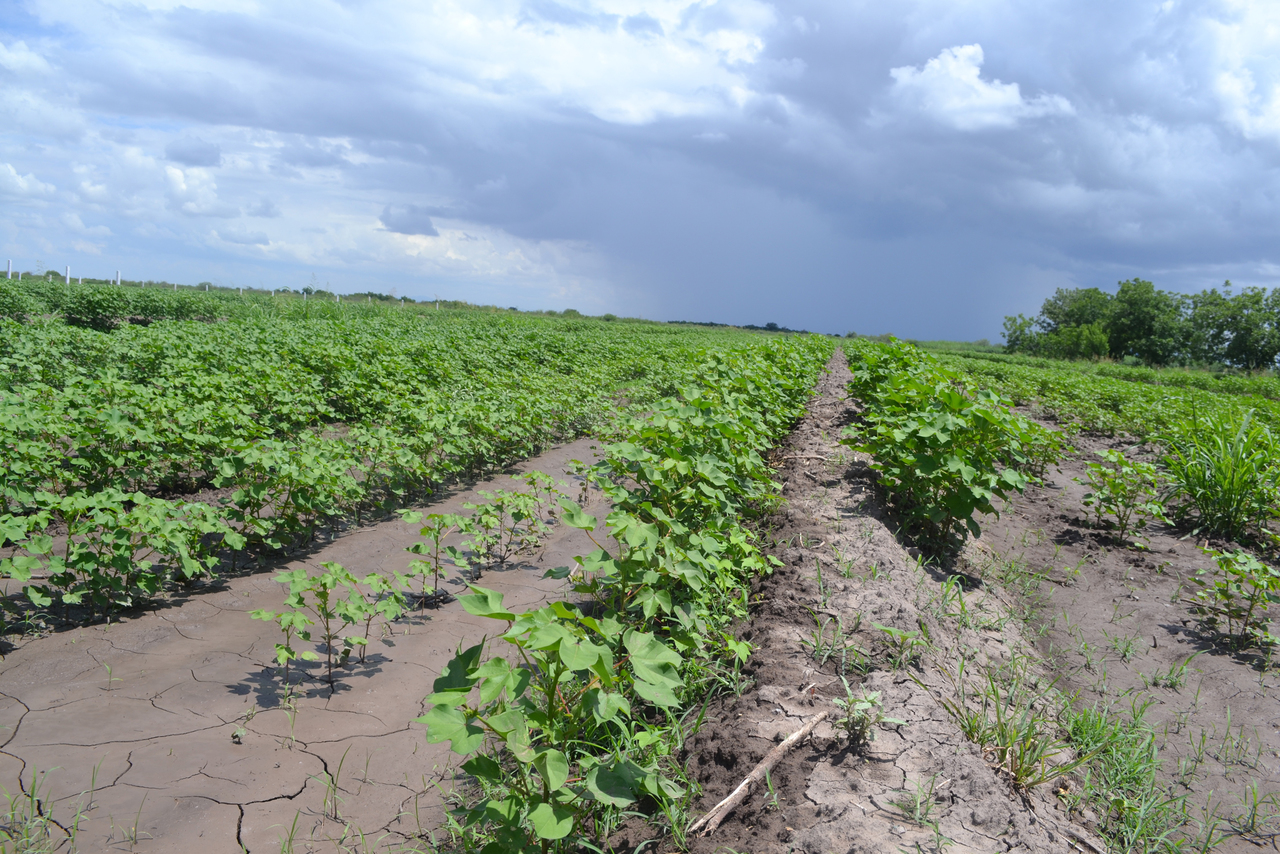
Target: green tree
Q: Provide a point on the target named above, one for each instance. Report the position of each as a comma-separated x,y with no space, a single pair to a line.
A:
1070,307
1147,323
1254,337
1076,342
1208,325
1020,335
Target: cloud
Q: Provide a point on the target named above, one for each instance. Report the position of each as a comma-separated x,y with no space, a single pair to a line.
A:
194,152
13,184
643,25
19,58
194,193
264,208
73,223
408,219
244,238
949,89
692,163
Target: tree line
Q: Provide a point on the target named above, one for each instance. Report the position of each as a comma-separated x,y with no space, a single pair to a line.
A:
1212,327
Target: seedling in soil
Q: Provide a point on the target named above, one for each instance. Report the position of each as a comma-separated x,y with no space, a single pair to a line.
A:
825,649
26,825
771,802
862,715
1233,601
1122,489
330,782
1175,677
437,527
904,647
383,600
918,803
319,597
110,678
1124,645
845,564
1257,818
294,625
509,523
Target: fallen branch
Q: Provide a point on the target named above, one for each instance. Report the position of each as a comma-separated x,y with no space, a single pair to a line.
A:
709,822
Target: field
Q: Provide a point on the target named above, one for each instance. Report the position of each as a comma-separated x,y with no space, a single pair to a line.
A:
307,576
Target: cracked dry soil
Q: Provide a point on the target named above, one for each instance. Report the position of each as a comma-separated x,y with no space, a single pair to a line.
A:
132,723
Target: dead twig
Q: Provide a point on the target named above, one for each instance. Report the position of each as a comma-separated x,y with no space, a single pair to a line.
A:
709,822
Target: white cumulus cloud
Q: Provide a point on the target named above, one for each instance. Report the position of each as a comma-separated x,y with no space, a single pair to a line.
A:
950,89
13,184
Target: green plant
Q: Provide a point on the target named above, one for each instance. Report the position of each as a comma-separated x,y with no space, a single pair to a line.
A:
1122,489
553,739
316,600
1174,677
862,714
1233,600
1121,778
26,826
944,449
437,527
1223,474
905,647
918,803
837,645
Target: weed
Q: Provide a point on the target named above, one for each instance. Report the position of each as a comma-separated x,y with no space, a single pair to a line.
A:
905,647
1124,645
862,715
1223,474
1175,677
918,803
1258,815
824,648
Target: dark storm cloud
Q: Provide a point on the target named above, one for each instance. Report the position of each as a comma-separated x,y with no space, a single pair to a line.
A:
408,219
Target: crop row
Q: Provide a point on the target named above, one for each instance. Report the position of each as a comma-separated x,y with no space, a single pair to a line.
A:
945,448
1103,404
570,718
283,425
1263,385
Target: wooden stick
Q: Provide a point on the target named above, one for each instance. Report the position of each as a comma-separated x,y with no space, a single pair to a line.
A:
709,822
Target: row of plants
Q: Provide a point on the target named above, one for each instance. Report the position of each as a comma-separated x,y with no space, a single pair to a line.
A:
1221,382
570,717
287,426
1103,404
945,448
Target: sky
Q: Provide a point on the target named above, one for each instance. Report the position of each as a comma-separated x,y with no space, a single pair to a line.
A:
920,167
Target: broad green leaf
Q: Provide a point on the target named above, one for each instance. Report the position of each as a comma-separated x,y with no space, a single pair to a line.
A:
485,603
551,821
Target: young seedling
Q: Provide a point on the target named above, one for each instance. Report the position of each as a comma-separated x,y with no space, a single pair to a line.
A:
862,715
1122,489
438,526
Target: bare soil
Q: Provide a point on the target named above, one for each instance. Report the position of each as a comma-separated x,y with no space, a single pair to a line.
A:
1117,622
131,723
